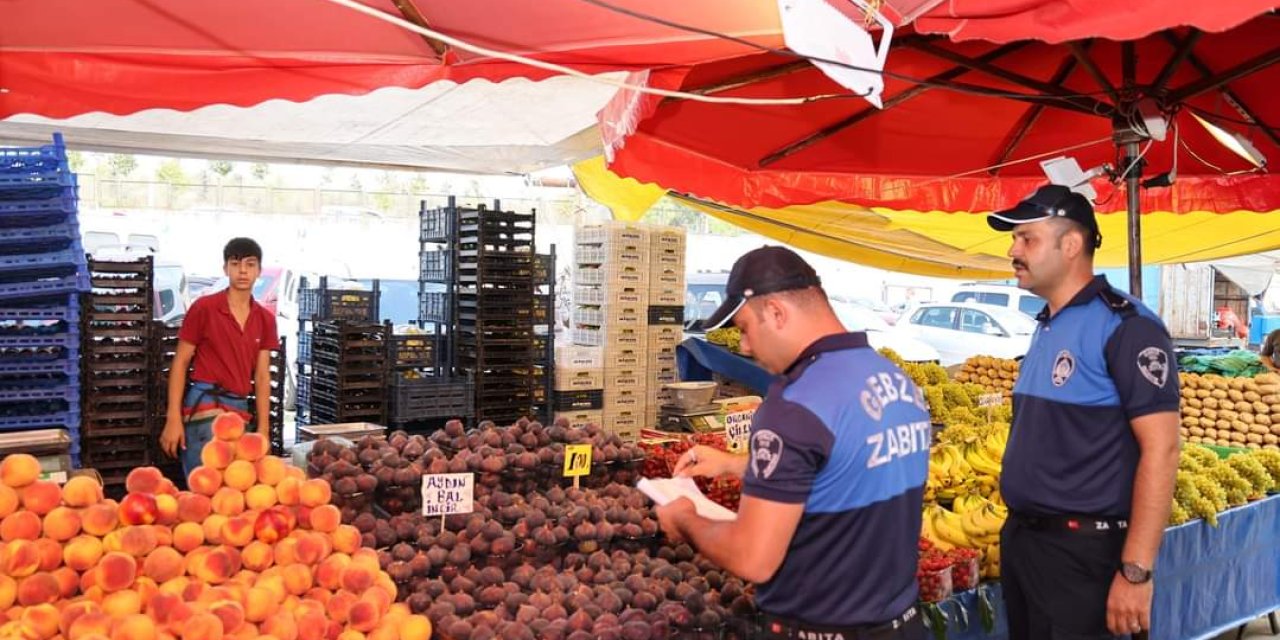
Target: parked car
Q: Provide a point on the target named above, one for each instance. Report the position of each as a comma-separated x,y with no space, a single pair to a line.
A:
856,317
1000,295
963,329
703,293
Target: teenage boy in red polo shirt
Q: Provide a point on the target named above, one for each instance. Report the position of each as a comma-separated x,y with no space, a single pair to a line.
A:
230,336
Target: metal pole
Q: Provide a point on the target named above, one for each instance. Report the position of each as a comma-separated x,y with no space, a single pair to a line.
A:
1133,194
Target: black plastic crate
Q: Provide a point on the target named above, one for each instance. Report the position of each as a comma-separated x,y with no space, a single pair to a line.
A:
436,266
666,315
337,304
590,400
431,397
414,350
433,306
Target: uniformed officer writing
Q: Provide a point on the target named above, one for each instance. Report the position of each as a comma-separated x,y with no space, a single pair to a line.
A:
1093,450
833,483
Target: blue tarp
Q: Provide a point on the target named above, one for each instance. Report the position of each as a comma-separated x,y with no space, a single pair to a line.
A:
698,359
1213,580
964,614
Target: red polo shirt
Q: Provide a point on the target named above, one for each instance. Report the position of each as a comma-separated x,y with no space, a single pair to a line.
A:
225,353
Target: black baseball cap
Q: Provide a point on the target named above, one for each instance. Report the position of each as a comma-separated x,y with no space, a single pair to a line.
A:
758,272
1049,201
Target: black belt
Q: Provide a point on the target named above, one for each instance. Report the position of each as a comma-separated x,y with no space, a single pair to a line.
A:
774,627
1072,524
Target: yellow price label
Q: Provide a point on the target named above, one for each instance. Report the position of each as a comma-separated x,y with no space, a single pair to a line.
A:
577,460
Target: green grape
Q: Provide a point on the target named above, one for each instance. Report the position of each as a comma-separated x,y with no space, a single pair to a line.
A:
1211,491
1253,472
892,356
1184,490
1178,515
1270,460
1203,455
1203,509
1237,488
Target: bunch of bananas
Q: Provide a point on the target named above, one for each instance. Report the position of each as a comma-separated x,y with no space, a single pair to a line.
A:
957,468
727,337
975,527
1207,485
995,375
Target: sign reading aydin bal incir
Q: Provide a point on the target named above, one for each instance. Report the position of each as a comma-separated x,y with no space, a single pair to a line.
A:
448,493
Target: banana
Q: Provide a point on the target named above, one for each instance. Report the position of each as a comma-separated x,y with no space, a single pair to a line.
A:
949,527
967,502
979,461
929,532
995,496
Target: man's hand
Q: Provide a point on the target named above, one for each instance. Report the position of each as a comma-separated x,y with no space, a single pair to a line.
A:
704,462
174,437
1128,606
670,516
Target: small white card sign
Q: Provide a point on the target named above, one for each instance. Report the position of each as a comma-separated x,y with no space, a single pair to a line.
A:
990,400
737,430
448,493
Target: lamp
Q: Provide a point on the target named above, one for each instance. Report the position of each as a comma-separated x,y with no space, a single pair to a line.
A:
1237,143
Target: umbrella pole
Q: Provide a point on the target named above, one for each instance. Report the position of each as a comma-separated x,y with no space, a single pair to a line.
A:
1133,194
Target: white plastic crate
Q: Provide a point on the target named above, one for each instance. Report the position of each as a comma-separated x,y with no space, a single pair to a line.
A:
612,275
666,237
624,336
632,379
610,315
581,419
626,357
626,425
663,277
612,232
598,296
661,359
617,253
664,296
579,357
575,379
665,335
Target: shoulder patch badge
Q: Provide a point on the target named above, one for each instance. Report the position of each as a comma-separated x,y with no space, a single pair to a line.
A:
1063,366
1153,363
766,453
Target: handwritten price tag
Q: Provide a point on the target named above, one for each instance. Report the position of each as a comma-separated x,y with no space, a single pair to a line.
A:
577,460
990,400
448,493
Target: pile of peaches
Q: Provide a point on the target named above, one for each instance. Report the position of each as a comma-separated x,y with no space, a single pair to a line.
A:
254,550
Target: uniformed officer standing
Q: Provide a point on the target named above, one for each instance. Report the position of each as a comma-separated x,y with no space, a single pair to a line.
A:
1093,451
832,488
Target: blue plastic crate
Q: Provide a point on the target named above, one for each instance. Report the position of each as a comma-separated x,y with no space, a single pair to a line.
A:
67,419
62,313
23,293
37,184
65,366
54,237
13,265
42,158
36,389
60,208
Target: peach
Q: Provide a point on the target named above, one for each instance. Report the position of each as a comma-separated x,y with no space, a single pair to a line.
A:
415,627
9,500
19,470
350,634
340,605
364,616
134,626
117,571
367,558
160,605
167,508
231,614
317,594
194,507
202,626
252,447
346,539
237,531
72,612
218,454
41,497
272,525
40,588
312,548
68,582
298,579
205,480
164,535
90,623
164,564
259,604
20,525
379,595
271,470
312,626
177,617
139,508
329,572
81,491
19,558
122,603
144,480
258,556
273,585
217,566
304,607
228,426
138,541
213,528
260,497
288,491
8,592
100,519
167,488
326,518
188,536
280,625
314,493
50,554
194,591
228,502
240,475
62,524
40,621
145,587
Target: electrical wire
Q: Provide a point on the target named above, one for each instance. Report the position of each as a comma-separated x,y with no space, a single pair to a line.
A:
789,53
1018,161
568,71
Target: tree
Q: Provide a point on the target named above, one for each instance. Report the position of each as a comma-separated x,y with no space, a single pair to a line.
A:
356,185
221,167
418,184
170,172
120,165
259,170
75,160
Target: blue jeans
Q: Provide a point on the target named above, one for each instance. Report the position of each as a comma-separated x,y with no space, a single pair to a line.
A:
199,433
200,407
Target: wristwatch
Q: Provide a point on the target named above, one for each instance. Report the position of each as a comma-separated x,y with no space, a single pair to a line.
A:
1135,573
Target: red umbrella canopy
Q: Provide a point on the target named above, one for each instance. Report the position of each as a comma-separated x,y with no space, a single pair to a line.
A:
61,58
964,123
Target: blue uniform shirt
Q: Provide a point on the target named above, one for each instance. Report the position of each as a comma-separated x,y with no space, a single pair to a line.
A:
1102,361
847,434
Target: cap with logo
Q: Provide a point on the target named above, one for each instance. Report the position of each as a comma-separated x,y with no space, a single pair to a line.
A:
1048,202
758,272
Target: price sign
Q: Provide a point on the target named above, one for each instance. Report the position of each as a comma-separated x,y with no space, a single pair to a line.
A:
577,460
448,493
737,431
990,400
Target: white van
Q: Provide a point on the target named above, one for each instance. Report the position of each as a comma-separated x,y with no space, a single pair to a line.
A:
1000,295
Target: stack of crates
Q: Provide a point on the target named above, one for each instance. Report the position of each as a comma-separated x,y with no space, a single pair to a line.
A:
317,304
163,346
421,396
42,271
611,303
667,247
544,319
349,372
275,412
115,430
579,385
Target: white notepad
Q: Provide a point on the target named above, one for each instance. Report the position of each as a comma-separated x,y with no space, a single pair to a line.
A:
666,490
